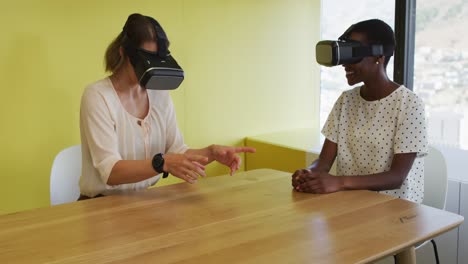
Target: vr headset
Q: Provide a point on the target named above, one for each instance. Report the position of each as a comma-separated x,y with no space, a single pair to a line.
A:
155,70
346,51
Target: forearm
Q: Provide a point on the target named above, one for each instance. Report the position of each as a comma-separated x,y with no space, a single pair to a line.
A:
326,158
320,165
206,152
131,171
389,180
375,182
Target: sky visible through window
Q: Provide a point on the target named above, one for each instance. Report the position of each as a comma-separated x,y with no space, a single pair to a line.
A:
441,69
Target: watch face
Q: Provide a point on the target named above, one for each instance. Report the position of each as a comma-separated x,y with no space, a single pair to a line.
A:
158,162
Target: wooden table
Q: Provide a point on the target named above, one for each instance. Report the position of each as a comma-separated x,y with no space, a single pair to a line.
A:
253,217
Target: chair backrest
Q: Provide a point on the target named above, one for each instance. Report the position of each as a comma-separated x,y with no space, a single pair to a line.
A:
435,179
65,176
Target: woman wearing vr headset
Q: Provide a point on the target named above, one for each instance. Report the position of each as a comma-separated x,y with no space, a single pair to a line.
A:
129,132
376,132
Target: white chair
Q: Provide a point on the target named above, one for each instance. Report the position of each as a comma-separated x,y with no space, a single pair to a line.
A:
435,186
65,175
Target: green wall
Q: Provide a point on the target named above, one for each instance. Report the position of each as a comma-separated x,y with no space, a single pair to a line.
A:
249,65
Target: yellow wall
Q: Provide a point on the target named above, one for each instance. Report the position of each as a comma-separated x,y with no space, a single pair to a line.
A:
249,70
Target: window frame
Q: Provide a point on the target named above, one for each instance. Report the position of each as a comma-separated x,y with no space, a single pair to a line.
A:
405,21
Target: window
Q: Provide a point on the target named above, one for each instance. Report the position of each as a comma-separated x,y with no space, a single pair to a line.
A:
336,17
441,69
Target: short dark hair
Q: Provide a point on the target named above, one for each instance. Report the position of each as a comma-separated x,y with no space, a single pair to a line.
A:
377,32
137,30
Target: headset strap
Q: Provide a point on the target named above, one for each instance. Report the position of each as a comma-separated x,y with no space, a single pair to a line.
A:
161,38
373,50
364,51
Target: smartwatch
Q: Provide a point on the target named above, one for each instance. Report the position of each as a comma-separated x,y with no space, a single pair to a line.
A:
158,164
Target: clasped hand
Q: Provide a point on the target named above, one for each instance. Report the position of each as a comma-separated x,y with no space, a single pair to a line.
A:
313,181
185,166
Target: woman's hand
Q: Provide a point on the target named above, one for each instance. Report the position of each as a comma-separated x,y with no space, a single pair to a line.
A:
316,182
299,177
228,155
185,166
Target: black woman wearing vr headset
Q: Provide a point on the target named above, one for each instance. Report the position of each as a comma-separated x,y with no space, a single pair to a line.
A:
376,131
129,133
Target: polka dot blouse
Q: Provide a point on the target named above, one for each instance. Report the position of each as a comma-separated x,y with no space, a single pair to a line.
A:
369,133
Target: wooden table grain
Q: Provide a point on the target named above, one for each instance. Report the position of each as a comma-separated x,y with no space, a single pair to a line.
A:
252,217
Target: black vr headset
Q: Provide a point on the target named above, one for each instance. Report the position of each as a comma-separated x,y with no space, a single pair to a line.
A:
155,70
346,51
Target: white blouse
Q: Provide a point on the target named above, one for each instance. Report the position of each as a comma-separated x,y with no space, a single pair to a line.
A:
369,133
109,134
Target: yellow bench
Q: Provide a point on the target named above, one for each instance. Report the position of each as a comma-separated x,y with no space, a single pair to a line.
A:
285,150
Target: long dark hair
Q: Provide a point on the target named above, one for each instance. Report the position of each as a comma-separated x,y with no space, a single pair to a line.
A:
137,30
